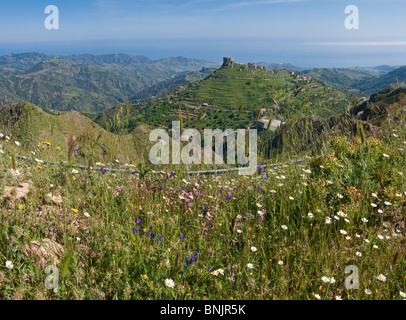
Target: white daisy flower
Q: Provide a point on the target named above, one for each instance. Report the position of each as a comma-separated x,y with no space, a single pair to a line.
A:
170,283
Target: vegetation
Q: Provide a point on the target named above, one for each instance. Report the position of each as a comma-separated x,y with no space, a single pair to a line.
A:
289,232
329,192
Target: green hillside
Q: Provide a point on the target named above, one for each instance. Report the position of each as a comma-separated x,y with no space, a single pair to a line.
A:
369,118
231,97
230,87
31,126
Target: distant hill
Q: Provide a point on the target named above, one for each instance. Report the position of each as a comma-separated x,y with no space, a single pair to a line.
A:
378,69
85,82
63,85
377,83
342,79
161,89
359,81
285,66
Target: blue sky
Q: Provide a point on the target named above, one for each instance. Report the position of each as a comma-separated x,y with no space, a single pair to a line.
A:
301,32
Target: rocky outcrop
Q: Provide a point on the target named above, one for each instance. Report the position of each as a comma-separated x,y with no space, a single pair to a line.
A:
228,62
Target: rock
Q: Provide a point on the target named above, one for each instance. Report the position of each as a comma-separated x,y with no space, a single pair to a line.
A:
20,192
45,252
228,62
56,198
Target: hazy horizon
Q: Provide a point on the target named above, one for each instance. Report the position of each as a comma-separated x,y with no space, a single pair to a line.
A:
241,58
305,33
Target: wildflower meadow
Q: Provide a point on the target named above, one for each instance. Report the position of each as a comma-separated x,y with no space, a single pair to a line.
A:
290,231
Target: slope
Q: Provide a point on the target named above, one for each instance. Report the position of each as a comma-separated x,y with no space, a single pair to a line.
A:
31,126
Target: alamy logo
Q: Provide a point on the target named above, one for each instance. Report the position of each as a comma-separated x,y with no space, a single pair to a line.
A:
52,21
192,152
52,281
352,281
352,21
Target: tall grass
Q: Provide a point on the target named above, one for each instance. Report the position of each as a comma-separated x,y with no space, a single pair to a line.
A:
273,235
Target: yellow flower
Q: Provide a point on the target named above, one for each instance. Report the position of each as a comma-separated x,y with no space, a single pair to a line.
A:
74,210
39,167
58,148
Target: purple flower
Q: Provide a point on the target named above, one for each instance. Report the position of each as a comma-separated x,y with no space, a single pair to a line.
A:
266,176
148,234
229,196
260,169
153,235
103,169
259,189
135,231
138,221
160,238
182,238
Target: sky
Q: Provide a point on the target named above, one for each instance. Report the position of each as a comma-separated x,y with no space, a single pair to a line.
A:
306,33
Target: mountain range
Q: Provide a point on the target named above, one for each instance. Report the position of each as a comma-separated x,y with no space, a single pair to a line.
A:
86,82
93,83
